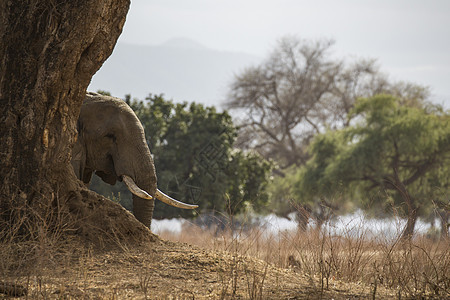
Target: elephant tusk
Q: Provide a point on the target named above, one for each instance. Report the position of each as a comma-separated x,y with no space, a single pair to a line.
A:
159,195
135,189
168,200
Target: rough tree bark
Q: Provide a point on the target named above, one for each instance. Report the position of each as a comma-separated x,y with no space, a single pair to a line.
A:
49,51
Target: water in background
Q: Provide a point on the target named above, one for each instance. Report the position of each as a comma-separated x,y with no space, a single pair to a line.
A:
350,225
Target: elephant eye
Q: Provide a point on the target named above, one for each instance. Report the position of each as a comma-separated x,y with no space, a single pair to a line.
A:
111,136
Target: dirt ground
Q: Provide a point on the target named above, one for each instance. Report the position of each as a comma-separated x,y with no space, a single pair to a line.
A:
169,270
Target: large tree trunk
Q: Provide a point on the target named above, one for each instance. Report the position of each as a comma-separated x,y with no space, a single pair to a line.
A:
49,50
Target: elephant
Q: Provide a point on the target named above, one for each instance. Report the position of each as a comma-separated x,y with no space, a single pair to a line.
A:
111,143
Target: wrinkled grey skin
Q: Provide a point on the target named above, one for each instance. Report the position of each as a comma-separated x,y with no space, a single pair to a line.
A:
111,143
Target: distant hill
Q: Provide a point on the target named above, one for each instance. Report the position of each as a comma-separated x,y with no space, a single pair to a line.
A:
181,69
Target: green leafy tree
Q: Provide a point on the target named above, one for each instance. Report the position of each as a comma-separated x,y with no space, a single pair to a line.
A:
287,200
191,153
195,160
400,152
248,176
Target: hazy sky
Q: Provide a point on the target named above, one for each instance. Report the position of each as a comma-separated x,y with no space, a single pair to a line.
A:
410,38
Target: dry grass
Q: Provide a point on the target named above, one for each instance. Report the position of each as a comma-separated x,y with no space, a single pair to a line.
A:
417,269
51,263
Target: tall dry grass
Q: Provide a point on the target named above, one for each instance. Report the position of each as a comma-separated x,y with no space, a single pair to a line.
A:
414,268
32,245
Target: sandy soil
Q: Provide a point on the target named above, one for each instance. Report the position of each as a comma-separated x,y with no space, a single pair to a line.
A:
168,270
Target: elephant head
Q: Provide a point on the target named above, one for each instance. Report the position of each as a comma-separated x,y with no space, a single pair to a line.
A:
111,143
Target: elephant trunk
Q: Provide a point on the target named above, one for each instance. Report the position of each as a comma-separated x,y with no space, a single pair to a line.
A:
146,180
143,186
143,210
140,170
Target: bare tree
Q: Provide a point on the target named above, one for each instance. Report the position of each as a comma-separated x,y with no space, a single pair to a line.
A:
281,99
49,50
300,91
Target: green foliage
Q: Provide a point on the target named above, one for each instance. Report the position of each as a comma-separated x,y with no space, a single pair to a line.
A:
398,152
288,196
102,92
192,147
323,151
281,193
248,177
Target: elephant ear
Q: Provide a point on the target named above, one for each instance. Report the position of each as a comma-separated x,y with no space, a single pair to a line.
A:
108,178
78,159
